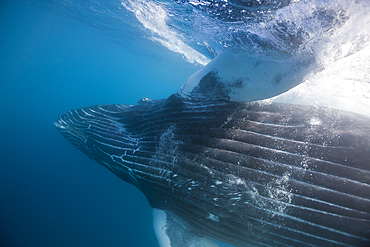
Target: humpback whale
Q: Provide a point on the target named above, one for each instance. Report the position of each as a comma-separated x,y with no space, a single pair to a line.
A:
244,173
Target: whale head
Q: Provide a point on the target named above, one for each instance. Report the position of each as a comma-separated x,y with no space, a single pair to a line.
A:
100,135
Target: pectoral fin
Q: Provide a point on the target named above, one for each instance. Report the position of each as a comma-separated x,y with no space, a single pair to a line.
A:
172,233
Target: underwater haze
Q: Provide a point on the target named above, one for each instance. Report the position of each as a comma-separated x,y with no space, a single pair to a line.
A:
52,194
56,56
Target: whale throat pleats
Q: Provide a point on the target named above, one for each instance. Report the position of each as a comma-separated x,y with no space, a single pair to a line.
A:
248,174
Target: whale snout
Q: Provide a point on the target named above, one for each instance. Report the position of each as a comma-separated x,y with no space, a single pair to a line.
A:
59,124
74,129
97,130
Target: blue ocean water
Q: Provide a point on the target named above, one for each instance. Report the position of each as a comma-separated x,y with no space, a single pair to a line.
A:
60,55
52,194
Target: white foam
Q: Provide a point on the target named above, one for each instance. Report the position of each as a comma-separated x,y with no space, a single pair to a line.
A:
344,84
154,17
344,55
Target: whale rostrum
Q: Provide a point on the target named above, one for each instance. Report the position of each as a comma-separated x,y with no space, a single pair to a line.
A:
248,174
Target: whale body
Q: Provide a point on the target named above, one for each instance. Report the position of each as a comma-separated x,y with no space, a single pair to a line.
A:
248,174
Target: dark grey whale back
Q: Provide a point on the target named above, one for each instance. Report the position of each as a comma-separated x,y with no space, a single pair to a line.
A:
246,174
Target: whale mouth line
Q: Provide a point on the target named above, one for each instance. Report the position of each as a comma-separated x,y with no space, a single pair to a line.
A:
59,125
69,129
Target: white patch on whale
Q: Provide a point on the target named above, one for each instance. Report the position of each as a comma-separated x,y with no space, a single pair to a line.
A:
171,233
213,217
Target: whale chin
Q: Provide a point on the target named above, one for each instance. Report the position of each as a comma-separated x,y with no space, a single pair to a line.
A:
248,174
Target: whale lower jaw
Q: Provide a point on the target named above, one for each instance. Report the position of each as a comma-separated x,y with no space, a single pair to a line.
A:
245,174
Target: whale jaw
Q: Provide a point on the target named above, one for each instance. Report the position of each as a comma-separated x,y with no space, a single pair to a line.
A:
245,174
